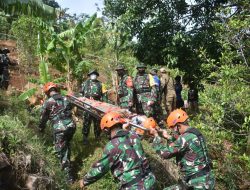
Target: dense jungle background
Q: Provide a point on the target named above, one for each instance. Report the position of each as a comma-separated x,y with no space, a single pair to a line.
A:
204,41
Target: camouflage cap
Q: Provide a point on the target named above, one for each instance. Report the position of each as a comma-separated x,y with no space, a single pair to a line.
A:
154,71
93,72
141,65
120,67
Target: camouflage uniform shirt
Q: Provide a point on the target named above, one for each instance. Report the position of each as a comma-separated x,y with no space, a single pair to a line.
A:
125,92
92,88
191,156
144,93
57,109
125,157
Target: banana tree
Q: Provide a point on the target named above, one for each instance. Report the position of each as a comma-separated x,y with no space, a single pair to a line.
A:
66,47
43,70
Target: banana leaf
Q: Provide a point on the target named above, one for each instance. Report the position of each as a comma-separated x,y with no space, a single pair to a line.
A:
27,94
44,72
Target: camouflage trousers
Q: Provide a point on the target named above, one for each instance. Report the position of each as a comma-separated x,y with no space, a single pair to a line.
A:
146,183
157,113
202,182
143,109
123,105
87,123
62,147
4,80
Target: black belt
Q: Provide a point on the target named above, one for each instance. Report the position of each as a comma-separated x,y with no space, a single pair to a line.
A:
200,173
133,181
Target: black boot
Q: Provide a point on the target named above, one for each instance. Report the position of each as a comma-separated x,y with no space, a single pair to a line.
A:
69,175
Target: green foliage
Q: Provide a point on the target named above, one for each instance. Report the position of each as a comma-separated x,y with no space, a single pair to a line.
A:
25,95
224,120
67,45
28,7
5,25
26,30
167,32
44,74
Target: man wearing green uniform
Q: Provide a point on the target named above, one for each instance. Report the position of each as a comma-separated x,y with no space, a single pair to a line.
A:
125,89
157,110
58,110
146,91
190,151
92,89
124,156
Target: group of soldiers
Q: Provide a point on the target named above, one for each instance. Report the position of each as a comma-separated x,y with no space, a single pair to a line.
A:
144,94
124,155
147,91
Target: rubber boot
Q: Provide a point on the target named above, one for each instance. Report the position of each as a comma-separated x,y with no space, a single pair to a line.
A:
69,176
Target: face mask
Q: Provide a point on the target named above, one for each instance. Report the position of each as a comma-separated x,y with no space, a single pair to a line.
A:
93,77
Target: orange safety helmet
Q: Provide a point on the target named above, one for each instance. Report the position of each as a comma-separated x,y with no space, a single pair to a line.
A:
150,123
176,116
147,123
48,86
110,119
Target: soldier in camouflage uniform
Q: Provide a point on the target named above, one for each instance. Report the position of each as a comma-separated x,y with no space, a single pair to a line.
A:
58,110
168,90
125,89
124,156
145,91
190,151
4,68
157,110
91,88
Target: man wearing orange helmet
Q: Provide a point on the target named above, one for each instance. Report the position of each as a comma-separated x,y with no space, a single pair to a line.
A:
190,151
123,155
58,110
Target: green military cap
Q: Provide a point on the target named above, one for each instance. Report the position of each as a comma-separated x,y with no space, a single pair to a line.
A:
141,65
120,67
93,72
